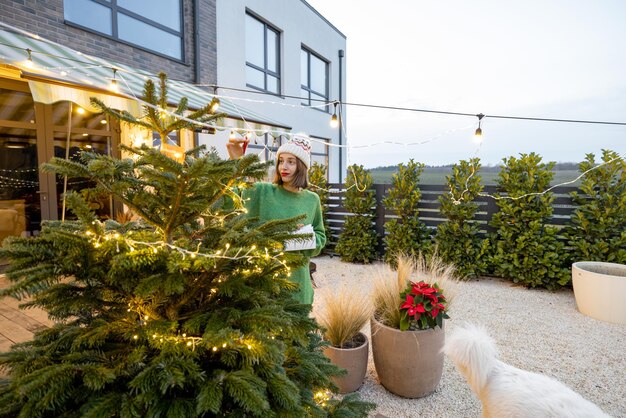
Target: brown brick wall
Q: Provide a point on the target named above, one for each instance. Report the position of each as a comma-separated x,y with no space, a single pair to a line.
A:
45,18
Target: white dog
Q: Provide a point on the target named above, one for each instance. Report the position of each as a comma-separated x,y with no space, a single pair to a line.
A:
506,391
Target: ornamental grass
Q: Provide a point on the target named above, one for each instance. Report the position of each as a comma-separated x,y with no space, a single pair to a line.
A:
346,311
390,284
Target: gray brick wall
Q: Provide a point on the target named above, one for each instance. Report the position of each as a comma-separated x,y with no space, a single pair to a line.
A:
45,18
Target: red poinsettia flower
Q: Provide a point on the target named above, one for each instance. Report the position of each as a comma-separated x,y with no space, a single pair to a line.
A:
436,308
408,303
423,307
416,311
422,288
433,298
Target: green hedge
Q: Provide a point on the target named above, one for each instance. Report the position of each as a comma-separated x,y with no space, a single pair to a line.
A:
405,234
319,185
358,240
598,228
524,247
457,239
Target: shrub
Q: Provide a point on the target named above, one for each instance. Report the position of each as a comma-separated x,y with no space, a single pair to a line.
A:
457,239
525,248
358,239
406,234
598,228
319,185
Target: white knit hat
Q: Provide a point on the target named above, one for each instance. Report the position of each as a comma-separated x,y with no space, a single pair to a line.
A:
299,146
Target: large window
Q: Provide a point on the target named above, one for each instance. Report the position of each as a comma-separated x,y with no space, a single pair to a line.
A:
313,79
262,55
154,25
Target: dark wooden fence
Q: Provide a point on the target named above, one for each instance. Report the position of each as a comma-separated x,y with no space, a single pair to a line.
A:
429,208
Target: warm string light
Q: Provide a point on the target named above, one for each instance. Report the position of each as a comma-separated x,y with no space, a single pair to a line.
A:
19,170
113,86
478,134
29,61
246,99
278,132
334,120
325,102
458,201
18,182
216,100
250,254
322,396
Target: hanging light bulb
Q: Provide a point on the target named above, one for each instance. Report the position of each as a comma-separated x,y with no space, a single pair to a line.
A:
478,135
29,61
334,120
216,101
113,86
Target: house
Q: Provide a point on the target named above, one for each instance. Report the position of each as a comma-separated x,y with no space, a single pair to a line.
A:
288,55
55,55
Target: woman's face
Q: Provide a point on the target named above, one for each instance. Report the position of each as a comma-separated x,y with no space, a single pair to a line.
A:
287,167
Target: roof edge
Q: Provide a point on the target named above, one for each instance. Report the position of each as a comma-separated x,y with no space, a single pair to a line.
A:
324,19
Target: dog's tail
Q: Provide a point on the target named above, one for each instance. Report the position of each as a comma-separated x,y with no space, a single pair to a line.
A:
474,352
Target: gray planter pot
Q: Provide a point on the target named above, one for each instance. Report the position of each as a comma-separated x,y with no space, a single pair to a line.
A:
354,360
408,363
600,290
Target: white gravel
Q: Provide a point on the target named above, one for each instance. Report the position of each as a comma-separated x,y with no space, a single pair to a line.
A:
536,330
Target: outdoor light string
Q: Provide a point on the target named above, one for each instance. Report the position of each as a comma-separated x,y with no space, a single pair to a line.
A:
324,102
116,70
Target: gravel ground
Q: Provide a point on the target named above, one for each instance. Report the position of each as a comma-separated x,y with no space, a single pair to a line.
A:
536,330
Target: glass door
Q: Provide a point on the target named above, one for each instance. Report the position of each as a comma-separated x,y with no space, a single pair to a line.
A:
32,133
20,206
74,130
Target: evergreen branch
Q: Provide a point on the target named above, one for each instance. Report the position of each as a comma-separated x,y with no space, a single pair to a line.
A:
163,90
119,115
182,106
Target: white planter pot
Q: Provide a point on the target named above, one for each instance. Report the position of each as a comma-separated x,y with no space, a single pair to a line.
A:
600,290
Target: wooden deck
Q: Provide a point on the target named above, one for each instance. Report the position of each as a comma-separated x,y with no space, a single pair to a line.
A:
18,325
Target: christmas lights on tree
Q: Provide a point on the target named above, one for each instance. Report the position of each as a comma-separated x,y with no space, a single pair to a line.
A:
185,310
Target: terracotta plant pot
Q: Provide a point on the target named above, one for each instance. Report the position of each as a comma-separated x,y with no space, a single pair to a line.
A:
408,363
354,360
600,290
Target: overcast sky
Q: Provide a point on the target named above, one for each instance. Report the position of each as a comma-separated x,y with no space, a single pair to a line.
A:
561,59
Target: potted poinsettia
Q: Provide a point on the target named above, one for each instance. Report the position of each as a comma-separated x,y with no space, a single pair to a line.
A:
424,306
408,325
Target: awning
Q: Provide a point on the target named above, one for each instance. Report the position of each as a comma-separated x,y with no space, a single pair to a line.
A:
58,73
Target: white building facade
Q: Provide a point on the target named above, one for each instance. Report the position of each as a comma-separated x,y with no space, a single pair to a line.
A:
283,60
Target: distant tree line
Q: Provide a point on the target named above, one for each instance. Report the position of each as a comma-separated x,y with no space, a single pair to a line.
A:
485,168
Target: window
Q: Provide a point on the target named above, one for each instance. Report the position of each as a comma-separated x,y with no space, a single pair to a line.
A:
319,151
313,79
154,25
262,56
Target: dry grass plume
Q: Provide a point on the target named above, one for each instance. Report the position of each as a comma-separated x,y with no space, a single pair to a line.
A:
345,311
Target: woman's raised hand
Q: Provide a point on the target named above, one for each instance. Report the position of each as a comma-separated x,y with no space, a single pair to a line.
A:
236,147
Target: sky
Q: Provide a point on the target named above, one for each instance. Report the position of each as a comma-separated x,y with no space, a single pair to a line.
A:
563,59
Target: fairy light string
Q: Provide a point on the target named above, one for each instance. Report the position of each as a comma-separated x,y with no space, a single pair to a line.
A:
140,308
276,133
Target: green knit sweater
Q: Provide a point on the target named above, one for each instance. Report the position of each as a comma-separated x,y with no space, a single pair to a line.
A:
268,202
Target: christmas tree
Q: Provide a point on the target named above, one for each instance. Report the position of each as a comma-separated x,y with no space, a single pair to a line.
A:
186,310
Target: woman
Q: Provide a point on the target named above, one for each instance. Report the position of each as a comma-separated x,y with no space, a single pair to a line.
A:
287,197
